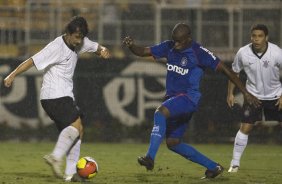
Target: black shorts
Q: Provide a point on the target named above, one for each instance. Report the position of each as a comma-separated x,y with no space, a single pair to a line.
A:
63,111
268,108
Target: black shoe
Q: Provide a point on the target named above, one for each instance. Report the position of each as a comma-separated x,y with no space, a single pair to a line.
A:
147,162
214,173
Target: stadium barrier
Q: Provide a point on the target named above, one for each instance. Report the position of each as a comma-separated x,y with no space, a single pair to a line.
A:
118,98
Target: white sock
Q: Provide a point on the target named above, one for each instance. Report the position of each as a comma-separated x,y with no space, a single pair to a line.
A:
65,141
72,158
240,144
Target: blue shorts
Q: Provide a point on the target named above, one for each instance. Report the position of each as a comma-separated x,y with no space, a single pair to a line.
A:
181,109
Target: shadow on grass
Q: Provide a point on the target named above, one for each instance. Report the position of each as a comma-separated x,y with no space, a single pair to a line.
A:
27,174
36,176
159,177
143,177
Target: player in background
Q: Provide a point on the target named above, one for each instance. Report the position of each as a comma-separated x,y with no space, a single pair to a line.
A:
261,61
186,63
58,60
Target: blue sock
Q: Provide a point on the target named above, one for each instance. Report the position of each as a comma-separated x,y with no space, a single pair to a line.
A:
192,154
157,135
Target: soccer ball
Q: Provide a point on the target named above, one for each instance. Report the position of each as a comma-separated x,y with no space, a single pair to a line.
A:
87,167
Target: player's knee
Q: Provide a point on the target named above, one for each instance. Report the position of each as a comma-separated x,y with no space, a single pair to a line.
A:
163,110
246,128
78,125
171,142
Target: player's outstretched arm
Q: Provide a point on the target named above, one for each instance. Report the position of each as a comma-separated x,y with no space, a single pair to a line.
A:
27,64
137,50
252,100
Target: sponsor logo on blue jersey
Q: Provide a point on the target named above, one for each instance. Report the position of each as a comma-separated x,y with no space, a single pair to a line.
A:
177,69
209,52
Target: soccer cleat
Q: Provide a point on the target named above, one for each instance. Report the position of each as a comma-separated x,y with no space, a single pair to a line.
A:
147,162
214,173
68,178
55,165
233,169
74,178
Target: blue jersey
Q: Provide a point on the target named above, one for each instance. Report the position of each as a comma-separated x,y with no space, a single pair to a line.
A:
185,68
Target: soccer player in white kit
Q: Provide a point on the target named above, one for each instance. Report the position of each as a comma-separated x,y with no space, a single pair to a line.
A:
261,61
58,60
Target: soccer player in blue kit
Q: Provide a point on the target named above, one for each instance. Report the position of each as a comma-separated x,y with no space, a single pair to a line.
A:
186,63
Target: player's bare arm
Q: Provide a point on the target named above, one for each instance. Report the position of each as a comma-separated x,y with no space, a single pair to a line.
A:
103,52
252,100
24,66
230,93
137,50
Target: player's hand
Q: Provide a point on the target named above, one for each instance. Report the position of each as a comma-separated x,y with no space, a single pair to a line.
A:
252,100
230,100
279,104
128,41
105,53
9,80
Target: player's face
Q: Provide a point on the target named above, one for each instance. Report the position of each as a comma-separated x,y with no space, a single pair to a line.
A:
259,40
180,41
75,39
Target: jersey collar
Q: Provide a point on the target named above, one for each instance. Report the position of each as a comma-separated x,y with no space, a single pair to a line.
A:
70,47
262,53
187,49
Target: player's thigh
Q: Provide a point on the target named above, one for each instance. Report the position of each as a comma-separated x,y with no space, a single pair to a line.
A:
62,111
271,111
176,128
251,114
179,106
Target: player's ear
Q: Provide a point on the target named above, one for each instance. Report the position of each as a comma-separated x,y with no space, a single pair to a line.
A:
266,38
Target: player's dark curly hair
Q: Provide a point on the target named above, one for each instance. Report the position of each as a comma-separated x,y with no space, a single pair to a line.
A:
261,27
77,23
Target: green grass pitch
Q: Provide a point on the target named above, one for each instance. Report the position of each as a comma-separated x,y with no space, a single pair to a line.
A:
22,163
